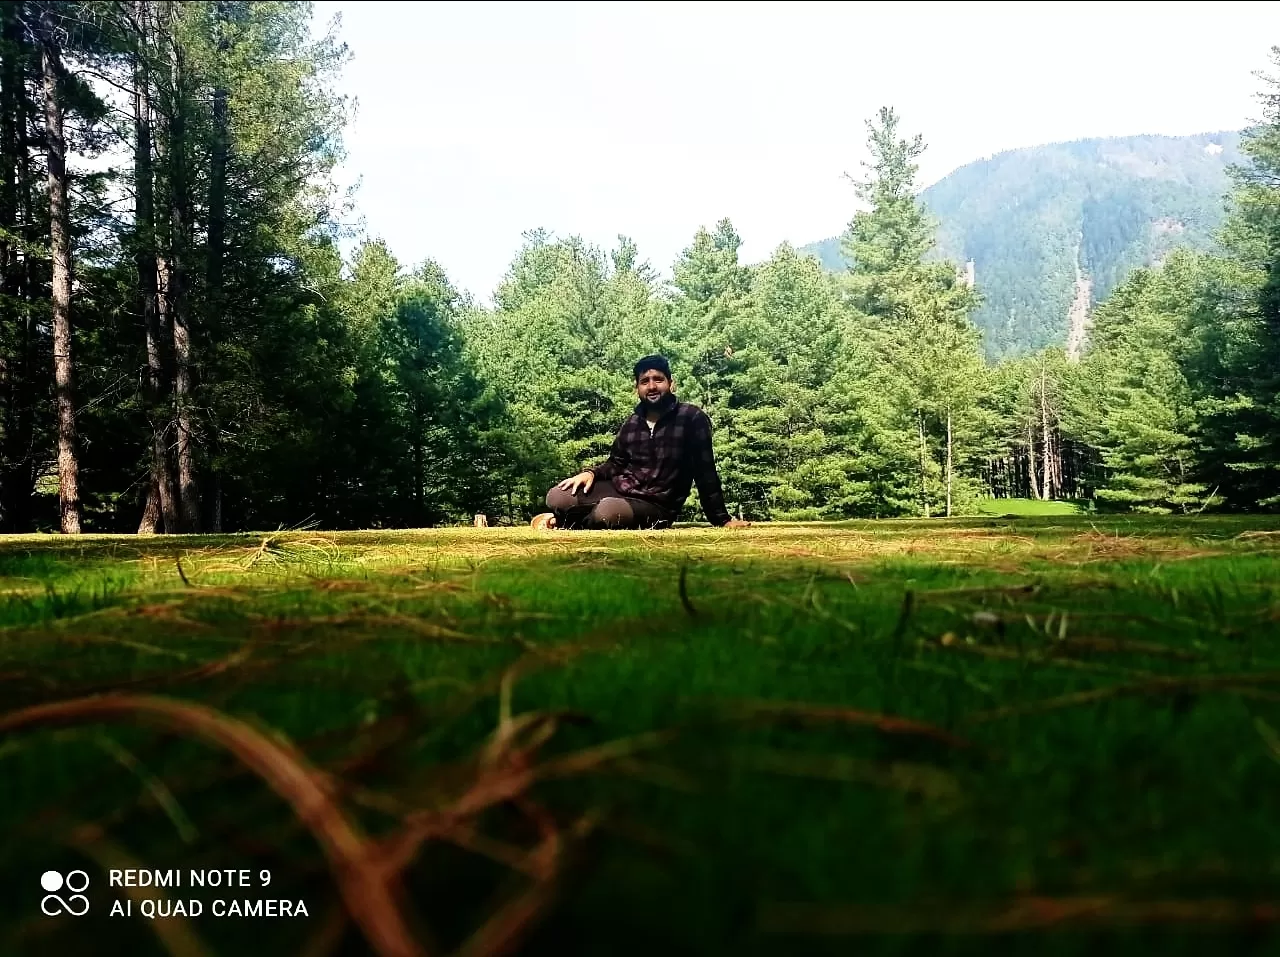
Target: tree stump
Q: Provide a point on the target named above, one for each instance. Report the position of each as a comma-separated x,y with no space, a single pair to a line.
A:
482,521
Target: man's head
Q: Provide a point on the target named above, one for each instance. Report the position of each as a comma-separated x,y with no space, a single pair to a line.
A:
653,379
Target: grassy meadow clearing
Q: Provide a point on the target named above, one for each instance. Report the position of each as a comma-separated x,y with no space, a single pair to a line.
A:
1035,733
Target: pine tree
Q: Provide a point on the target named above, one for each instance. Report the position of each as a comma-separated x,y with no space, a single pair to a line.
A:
715,343
926,371
557,349
50,43
1143,410
791,416
1245,426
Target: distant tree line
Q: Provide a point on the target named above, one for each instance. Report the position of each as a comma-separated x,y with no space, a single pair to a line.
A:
183,347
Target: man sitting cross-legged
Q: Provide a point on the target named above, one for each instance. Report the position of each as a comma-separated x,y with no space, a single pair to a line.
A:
660,452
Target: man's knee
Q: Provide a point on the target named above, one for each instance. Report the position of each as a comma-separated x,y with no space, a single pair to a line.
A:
558,500
612,513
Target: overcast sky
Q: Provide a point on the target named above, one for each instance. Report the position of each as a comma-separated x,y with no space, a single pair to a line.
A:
476,121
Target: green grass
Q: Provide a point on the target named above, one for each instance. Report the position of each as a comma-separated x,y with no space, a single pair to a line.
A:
1023,507
1044,734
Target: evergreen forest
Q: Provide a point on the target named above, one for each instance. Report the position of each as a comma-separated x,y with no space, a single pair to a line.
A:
185,347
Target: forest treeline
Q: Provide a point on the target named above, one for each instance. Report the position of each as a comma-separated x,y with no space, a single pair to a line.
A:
185,347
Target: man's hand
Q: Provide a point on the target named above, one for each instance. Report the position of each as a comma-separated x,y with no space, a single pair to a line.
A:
736,523
585,478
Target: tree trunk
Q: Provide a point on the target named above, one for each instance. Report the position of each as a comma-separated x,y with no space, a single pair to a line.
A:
164,475
1031,462
189,495
150,521
924,488
179,305
161,503
215,296
60,250
145,258
218,177
948,463
1046,452
419,480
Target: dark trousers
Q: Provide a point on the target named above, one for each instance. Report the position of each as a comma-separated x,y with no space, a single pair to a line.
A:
603,507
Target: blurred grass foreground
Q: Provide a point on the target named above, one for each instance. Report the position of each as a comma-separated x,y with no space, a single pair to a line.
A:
1036,734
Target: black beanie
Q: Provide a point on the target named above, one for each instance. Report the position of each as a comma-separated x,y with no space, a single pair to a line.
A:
653,362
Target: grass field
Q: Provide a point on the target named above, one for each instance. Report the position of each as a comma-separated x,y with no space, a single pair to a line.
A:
1049,734
1026,507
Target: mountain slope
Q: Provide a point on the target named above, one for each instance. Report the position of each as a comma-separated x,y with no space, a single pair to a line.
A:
1052,229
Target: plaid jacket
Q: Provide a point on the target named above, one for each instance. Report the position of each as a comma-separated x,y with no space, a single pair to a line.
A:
661,467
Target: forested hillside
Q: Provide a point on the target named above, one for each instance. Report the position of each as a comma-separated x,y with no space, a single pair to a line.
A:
1047,223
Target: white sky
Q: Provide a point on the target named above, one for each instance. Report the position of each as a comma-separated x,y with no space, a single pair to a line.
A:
478,121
